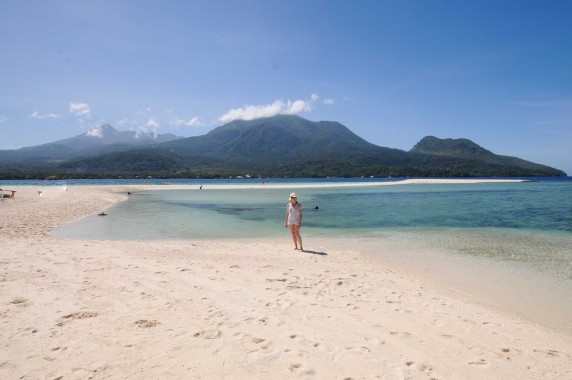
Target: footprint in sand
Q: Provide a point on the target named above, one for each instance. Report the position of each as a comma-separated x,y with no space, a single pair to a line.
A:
400,334
263,320
249,319
263,350
358,350
145,323
57,350
27,330
425,368
208,334
282,304
20,301
552,353
297,353
77,315
319,346
480,362
300,369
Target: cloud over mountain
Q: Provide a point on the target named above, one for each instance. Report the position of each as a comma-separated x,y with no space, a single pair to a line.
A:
193,122
279,107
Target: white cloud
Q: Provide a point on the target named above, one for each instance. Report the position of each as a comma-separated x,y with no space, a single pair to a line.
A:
3,119
194,122
123,122
297,107
80,109
279,107
329,101
95,132
150,127
253,112
36,115
152,123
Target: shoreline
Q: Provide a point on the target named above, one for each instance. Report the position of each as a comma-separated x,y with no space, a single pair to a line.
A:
81,308
258,185
327,185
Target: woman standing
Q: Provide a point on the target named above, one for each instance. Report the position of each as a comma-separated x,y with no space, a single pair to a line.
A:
294,219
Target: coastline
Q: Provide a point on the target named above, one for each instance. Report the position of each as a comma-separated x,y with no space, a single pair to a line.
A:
254,183
232,309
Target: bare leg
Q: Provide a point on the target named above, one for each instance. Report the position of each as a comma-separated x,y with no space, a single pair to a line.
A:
294,237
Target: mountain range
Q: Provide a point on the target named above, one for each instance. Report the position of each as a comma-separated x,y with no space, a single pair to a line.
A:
101,140
279,146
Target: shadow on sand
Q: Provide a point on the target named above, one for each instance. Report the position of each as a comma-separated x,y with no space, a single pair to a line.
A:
315,252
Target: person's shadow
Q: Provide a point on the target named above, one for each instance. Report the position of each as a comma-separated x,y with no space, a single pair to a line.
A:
315,252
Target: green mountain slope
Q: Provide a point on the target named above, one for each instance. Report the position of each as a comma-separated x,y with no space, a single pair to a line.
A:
273,138
468,150
288,146
101,140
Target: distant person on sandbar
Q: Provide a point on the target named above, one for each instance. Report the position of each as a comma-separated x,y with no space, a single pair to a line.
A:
294,220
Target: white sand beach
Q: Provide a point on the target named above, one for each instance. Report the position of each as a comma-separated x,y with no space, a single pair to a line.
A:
236,309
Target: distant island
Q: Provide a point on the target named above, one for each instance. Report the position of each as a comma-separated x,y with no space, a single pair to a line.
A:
284,146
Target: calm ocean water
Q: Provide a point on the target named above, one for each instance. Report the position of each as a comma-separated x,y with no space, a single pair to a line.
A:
508,243
538,207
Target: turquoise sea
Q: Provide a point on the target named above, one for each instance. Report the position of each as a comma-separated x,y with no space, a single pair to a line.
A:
505,244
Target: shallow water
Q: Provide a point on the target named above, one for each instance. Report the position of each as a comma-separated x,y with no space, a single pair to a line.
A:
507,243
528,273
541,206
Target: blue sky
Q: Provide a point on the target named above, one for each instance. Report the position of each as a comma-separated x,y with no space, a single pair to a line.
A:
496,72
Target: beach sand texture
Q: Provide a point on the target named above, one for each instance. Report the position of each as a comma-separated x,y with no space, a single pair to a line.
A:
77,309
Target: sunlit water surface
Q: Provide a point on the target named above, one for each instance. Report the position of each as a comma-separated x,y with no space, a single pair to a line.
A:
508,244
